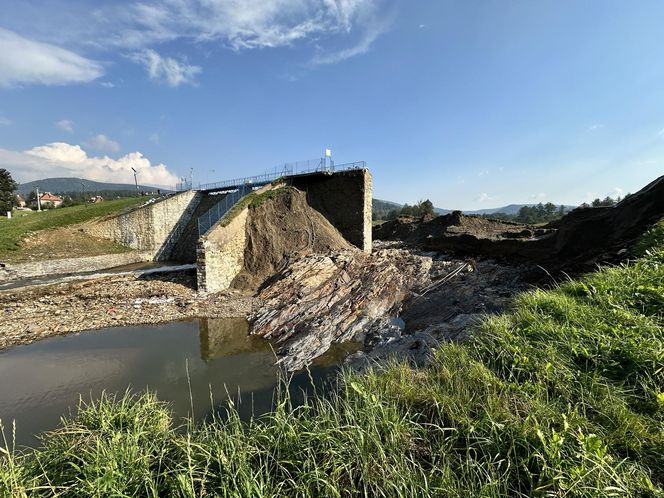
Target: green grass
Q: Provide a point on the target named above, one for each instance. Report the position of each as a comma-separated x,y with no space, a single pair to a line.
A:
24,222
563,395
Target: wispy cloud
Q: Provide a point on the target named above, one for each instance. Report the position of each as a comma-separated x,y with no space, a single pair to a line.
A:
103,144
661,133
241,25
154,138
5,121
166,69
339,29
63,159
24,61
373,30
66,125
538,197
595,127
483,197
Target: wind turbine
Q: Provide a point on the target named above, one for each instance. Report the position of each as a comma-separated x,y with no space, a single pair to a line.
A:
135,180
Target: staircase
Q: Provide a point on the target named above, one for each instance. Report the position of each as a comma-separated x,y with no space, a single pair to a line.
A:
183,246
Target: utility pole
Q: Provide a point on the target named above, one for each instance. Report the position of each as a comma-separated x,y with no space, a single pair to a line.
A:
191,178
38,200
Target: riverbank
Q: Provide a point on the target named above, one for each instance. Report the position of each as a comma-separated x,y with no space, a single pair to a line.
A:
563,395
38,312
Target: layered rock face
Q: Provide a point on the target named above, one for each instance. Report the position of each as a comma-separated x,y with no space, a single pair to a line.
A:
320,300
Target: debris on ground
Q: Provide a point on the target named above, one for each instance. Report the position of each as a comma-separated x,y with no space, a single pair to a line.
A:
388,300
37,312
578,241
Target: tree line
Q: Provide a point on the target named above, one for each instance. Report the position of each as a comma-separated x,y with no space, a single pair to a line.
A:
388,211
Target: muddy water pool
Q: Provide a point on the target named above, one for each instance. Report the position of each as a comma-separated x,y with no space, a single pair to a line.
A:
207,358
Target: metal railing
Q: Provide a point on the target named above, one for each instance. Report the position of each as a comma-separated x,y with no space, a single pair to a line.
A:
289,169
214,214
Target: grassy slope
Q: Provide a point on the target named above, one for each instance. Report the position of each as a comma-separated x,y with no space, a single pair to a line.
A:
561,396
24,222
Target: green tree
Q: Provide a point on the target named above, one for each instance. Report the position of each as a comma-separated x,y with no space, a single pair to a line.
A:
425,208
7,187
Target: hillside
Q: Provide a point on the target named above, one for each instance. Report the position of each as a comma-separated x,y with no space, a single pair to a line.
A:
63,185
31,235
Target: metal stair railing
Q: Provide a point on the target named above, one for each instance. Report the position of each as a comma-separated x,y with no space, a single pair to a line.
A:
216,212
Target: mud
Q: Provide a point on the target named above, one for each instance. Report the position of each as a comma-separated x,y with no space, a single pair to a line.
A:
282,229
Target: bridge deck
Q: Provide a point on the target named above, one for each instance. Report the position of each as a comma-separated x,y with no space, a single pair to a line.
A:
260,180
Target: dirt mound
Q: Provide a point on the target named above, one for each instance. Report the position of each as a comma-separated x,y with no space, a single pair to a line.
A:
280,228
578,240
421,231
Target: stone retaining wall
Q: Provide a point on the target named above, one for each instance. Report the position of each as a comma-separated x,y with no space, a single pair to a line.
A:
153,228
221,254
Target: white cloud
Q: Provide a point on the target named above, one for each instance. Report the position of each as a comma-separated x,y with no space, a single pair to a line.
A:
661,133
166,69
616,192
107,84
66,160
5,121
24,61
240,24
595,127
66,125
483,197
154,138
538,197
422,26
102,143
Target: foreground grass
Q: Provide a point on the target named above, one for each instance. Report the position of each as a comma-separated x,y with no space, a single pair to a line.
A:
561,396
24,222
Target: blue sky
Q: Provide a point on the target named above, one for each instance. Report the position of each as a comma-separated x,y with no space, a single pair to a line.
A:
472,104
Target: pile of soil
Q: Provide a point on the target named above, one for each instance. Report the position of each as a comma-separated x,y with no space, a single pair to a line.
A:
280,229
417,231
577,241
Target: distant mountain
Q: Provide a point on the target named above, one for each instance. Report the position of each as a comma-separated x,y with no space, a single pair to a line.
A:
62,185
509,209
385,205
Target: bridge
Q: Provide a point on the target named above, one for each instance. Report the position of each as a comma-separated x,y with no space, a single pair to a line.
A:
186,226
298,168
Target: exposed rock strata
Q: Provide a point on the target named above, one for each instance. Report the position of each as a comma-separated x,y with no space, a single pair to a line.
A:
321,300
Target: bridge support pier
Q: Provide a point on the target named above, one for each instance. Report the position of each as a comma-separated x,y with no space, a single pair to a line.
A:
343,198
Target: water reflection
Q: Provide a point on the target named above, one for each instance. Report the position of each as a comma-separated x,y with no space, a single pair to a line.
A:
209,358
